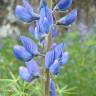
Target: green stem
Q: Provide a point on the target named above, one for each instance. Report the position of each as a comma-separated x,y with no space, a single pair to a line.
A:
47,76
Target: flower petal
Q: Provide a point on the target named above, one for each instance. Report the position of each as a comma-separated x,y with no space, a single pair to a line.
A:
24,74
46,25
52,88
22,14
45,12
64,58
21,53
49,58
33,68
29,45
68,19
27,6
31,30
63,5
55,32
59,50
55,67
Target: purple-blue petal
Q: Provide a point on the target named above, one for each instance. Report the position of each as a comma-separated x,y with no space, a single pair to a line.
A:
59,50
46,25
37,34
29,45
64,58
21,53
68,19
33,68
27,6
55,32
43,3
55,67
49,58
63,5
52,88
25,75
31,30
22,14
46,12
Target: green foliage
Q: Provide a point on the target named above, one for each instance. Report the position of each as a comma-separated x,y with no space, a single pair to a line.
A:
78,77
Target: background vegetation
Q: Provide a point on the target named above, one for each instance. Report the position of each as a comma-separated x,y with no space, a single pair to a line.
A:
77,78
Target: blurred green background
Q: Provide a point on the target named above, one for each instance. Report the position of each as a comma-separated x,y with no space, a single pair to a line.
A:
77,78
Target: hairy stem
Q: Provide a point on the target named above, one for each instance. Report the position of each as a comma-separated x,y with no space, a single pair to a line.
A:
47,77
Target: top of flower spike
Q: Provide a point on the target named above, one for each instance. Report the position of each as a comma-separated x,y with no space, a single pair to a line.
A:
42,4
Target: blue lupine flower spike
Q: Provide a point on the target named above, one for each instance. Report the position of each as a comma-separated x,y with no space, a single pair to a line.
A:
25,13
33,68
68,19
21,53
29,45
24,74
63,5
52,88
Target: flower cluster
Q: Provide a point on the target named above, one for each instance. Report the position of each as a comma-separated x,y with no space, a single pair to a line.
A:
56,57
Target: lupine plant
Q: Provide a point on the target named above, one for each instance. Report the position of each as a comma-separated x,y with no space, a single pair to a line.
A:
44,32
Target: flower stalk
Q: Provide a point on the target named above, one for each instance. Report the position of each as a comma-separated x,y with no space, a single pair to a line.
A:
47,76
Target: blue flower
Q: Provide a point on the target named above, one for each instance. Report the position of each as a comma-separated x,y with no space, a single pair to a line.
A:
64,58
26,13
55,32
68,19
46,17
33,68
59,49
56,58
29,45
55,67
63,5
21,53
35,32
52,88
25,75
31,30
49,58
